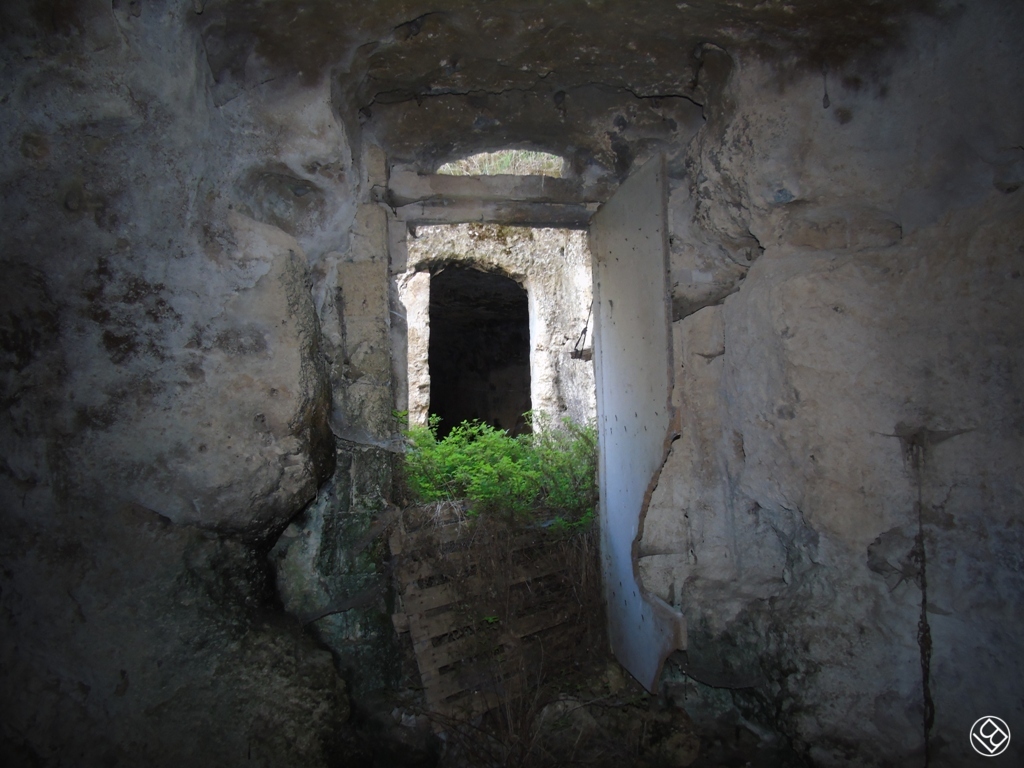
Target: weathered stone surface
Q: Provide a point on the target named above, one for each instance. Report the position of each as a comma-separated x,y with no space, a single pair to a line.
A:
514,214
412,369
599,84
241,441
789,495
840,433
601,131
845,259
704,267
330,572
163,391
362,353
406,187
131,639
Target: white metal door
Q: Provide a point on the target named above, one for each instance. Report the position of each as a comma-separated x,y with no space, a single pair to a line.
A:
633,371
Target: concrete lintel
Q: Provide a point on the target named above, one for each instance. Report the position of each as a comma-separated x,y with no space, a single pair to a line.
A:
571,216
405,187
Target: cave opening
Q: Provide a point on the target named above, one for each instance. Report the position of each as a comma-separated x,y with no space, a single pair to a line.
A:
479,349
470,223
492,322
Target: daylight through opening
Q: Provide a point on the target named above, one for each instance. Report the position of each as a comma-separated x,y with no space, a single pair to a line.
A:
512,162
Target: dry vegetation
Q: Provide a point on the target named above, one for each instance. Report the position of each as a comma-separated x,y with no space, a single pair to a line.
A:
498,577
513,656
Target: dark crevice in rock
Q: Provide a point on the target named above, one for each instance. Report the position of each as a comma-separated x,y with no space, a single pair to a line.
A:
915,442
683,307
715,674
399,96
919,558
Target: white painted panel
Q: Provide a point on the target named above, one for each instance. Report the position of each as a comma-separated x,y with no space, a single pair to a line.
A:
632,356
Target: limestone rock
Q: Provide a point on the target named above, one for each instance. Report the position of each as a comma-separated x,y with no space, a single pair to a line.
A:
196,257
125,639
794,392
361,355
241,441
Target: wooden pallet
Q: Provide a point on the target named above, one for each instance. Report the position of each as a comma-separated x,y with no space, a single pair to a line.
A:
479,631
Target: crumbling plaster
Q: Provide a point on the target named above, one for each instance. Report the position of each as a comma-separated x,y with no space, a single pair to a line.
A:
194,241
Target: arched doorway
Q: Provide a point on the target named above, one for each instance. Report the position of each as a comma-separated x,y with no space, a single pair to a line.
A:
479,349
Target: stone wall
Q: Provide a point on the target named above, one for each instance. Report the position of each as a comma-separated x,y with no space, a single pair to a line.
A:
841,512
167,378
196,337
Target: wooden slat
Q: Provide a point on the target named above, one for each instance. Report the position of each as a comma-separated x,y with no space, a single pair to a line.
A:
418,601
436,657
422,600
430,539
459,655
435,535
413,571
453,620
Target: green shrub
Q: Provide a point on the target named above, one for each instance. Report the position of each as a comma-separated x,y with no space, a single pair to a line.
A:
549,474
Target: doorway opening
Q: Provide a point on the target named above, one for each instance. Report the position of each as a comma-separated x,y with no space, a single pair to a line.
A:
468,292
479,350
624,302
503,544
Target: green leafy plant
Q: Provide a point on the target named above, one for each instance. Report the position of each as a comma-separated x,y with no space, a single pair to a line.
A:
549,474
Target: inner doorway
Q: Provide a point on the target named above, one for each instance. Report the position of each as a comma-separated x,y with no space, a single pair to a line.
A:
479,349
465,292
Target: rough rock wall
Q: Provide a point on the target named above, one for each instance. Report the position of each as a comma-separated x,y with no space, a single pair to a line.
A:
840,517
553,266
168,391
329,562
166,397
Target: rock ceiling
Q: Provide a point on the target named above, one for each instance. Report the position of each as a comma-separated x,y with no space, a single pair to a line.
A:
408,49
439,79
